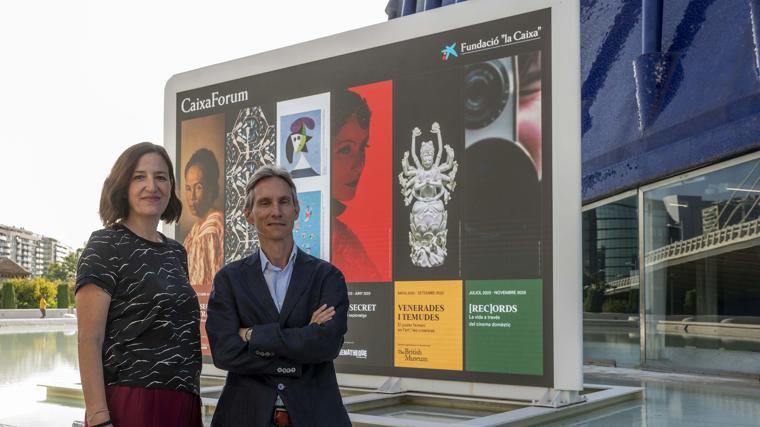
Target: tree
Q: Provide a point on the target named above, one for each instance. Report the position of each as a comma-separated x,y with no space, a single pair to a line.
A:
70,263
593,295
593,300
9,296
56,273
65,270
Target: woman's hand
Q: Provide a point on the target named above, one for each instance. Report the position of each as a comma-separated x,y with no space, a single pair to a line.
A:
99,418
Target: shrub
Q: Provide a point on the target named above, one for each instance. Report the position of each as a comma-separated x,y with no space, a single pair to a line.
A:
28,292
9,296
633,301
615,306
72,299
592,301
690,302
63,295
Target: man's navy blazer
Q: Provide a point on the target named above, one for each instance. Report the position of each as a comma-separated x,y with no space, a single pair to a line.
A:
286,355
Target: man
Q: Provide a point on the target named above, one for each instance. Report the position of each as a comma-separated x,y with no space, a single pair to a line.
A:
276,321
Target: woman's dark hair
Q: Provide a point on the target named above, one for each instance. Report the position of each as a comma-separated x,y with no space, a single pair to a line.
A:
344,104
206,160
114,199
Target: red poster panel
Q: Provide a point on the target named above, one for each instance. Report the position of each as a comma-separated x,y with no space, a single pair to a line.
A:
361,150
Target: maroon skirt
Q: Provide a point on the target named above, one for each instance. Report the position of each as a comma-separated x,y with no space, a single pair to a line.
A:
152,407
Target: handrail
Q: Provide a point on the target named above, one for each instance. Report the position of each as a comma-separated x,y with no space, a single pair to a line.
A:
715,239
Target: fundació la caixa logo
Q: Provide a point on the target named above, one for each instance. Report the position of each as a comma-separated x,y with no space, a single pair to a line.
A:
449,51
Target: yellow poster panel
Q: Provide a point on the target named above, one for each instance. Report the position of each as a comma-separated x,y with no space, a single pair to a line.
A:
428,325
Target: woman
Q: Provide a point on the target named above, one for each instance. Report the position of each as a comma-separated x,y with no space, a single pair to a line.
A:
138,316
350,134
205,241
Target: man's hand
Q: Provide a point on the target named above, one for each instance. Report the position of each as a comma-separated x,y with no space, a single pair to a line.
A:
322,314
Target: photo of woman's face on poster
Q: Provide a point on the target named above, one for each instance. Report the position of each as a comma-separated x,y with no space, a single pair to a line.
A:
361,126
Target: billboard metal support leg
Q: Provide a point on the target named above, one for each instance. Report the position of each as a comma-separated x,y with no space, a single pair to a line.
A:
559,398
392,385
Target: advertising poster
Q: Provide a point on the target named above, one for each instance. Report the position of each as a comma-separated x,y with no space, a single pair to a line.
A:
427,159
503,326
428,325
201,190
422,169
370,326
249,144
307,230
361,148
301,135
502,191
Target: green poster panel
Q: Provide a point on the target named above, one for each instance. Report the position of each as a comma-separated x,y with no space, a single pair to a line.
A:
503,326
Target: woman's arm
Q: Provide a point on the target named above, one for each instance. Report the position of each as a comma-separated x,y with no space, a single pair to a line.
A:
92,312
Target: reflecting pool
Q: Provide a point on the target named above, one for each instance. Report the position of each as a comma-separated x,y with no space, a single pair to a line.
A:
677,404
28,359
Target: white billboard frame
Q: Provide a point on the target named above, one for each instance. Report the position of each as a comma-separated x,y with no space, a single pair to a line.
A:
566,166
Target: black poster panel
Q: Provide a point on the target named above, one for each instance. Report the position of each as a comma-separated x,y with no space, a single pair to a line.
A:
427,165
370,326
474,205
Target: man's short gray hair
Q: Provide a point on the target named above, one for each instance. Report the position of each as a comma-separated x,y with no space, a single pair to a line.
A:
268,171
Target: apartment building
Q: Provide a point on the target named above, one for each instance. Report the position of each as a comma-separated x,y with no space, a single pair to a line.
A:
34,252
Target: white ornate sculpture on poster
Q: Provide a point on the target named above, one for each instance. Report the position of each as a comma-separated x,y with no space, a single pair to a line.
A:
429,184
248,146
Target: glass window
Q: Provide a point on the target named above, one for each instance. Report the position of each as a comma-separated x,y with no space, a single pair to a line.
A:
702,271
611,284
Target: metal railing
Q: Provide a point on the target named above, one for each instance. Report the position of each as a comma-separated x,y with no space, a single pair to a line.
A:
715,239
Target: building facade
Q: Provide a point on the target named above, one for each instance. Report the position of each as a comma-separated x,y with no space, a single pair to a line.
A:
32,251
670,109
670,119
5,245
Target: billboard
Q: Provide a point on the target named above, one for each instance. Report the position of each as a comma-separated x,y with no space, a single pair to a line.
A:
425,162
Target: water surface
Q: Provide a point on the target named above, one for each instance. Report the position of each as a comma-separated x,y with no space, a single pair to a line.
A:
28,359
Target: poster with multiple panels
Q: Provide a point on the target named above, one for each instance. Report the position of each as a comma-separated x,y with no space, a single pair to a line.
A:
422,169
